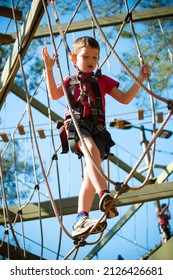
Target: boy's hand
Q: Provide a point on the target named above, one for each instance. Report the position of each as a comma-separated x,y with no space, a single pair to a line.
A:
48,61
144,73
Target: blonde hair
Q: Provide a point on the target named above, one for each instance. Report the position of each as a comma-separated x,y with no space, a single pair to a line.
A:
83,42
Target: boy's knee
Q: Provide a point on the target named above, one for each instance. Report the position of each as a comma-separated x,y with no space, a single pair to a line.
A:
92,148
94,151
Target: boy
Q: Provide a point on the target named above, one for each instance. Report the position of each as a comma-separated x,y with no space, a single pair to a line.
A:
87,95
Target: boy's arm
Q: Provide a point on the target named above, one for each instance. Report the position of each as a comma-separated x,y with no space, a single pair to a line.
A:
169,214
55,92
164,209
126,97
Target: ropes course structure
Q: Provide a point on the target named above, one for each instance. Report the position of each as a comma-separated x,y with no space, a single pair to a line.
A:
11,218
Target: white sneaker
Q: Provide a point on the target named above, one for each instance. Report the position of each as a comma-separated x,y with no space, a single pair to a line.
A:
105,201
83,226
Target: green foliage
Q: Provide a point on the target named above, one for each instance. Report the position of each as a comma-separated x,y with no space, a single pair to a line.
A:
155,48
14,172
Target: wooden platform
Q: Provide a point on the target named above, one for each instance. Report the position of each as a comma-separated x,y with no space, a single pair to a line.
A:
69,205
165,252
15,253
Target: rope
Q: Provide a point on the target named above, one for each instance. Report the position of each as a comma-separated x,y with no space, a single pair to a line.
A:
57,174
81,242
35,141
18,196
148,148
6,212
41,225
31,127
141,59
167,43
120,31
15,129
119,60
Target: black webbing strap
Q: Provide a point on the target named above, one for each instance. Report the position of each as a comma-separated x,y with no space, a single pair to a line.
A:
96,92
73,82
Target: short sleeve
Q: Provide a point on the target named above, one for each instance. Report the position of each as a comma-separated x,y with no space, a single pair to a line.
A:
66,82
110,83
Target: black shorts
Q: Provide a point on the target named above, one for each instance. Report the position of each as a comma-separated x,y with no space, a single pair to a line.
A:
98,140
98,133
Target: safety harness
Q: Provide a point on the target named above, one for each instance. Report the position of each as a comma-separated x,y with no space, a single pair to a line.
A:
88,114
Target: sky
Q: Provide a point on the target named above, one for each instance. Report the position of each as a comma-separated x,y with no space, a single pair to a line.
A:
140,233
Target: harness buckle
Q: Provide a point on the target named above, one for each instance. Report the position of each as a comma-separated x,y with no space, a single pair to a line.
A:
94,112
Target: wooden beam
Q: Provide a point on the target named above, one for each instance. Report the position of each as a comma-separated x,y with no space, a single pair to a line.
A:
21,129
6,39
69,205
9,251
35,103
41,133
7,12
86,24
114,159
146,256
165,173
148,193
26,34
4,137
165,252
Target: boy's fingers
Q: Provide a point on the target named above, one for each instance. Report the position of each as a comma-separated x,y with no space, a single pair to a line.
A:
146,70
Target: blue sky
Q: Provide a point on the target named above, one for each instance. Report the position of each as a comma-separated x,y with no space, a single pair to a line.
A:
140,233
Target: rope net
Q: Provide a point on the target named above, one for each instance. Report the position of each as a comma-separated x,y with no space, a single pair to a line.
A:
38,187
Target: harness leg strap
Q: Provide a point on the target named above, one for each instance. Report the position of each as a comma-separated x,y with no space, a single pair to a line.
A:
63,137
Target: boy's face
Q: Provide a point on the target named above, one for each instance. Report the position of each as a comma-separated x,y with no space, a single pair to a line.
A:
87,59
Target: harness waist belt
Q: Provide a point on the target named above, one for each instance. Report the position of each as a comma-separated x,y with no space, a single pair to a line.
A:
96,112
92,112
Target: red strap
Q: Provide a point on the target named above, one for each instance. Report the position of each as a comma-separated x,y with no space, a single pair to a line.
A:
86,109
63,137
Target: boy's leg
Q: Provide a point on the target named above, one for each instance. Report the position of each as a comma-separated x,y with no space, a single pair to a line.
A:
83,222
96,179
92,182
86,195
